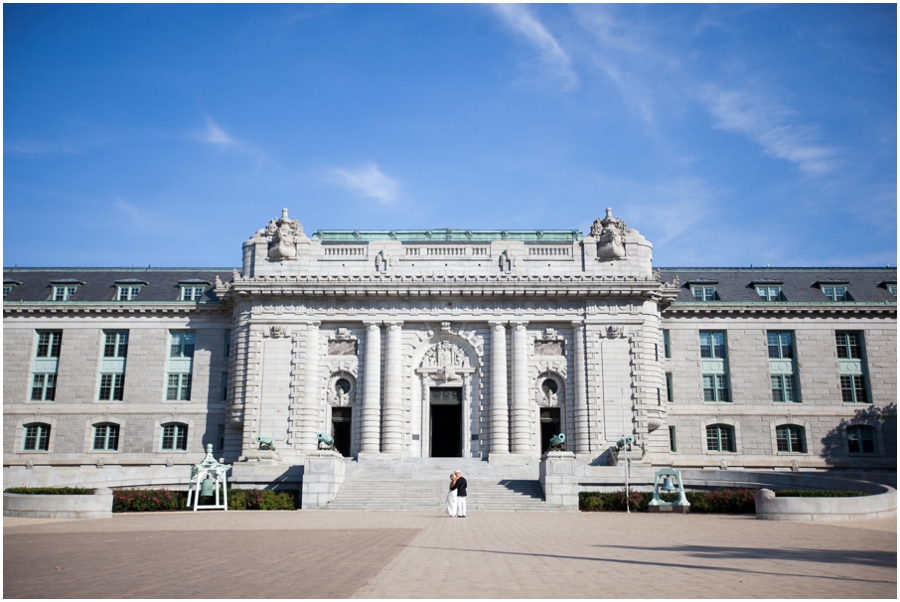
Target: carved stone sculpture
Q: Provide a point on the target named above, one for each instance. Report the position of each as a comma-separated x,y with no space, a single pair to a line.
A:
283,234
610,235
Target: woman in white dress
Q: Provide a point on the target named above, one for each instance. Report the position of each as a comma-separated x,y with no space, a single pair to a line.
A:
451,497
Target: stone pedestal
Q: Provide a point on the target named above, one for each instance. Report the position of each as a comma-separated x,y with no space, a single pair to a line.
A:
323,475
559,479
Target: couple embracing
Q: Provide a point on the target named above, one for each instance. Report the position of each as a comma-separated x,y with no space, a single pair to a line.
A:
456,497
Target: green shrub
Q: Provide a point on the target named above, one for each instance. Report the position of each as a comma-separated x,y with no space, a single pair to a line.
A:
261,499
818,493
148,500
731,501
49,490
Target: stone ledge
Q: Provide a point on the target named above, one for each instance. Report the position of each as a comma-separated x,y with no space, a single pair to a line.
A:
98,505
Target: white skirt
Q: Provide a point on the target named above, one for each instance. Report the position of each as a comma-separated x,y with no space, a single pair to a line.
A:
451,502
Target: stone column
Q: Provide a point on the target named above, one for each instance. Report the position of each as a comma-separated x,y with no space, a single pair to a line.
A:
371,410
521,431
499,406
582,435
391,441
308,411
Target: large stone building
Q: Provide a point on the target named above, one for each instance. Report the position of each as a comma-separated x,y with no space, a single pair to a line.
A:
446,343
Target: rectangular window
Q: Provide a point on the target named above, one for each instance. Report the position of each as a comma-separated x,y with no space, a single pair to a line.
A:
720,438
670,392
715,388
672,447
228,343
780,345
179,387
712,345
43,387
667,347
836,293
7,289
704,293
769,293
849,345
112,387
892,289
224,386
64,292
174,437
861,440
783,388
191,293
220,437
48,343
116,343
853,389
182,343
37,437
128,292
106,437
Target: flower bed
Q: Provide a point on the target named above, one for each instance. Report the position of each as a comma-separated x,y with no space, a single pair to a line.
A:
49,490
725,501
818,493
157,500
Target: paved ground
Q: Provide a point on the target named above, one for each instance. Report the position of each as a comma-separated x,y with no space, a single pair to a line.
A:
335,554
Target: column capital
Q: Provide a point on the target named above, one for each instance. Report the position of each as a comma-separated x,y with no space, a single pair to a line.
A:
394,324
313,323
497,323
519,325
370,324
578,324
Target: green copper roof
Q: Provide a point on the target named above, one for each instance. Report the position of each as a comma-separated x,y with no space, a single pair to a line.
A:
445,235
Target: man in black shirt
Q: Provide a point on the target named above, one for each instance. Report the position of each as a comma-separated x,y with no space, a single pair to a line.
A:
460,488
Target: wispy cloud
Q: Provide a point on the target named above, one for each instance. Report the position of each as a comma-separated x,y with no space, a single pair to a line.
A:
215,135
146,220
556,63
369,182
767,123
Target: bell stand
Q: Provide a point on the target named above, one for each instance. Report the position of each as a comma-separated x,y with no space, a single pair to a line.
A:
208,469
679,505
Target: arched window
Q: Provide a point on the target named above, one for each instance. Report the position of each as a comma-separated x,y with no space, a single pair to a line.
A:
549,386
720,438
861,439
790,438
37,437
106,436
174,436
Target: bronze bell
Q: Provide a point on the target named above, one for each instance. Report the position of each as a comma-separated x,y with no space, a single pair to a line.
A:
667,485
207,487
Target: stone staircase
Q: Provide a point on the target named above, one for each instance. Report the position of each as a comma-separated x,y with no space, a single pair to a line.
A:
421,484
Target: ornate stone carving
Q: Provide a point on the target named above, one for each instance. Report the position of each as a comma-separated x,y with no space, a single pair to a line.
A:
548,391
343,347
549,334
445,327
277,332
610,235
343,333
549,347
382,263
447,359
340,389
505,262
615,332
283,234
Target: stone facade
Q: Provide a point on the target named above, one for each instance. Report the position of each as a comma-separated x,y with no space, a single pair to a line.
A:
475,344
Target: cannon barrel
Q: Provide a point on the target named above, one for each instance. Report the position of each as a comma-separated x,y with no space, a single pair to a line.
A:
326,439
557,440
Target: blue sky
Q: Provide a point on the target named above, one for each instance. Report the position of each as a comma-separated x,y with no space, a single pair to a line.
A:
728,135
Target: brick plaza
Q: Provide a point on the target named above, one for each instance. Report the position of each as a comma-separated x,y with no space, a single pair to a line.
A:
347,554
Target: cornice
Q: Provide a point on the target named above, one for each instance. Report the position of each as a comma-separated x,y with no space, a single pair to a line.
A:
111,307
365,285
781,307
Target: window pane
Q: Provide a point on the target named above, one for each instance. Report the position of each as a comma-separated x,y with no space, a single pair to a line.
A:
712,438
168,437
726,439
105,386
172,389
37,388
782,440
777,393
705,344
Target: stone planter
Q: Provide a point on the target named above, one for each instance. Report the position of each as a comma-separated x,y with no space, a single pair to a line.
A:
323,475
98,505
769,507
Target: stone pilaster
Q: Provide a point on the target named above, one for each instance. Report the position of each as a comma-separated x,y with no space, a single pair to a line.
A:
369,436
309,408
499,405
582,439
521,431
391,441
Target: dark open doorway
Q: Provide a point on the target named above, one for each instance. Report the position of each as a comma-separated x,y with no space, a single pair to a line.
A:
446,423
341,420
550,425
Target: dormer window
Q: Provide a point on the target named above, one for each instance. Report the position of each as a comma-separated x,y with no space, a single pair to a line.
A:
836,293
192,290
769,293
9,285
64,292
704,293
892,289
128,292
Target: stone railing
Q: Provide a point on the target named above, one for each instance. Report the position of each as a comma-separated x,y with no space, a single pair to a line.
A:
549,252
345,252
